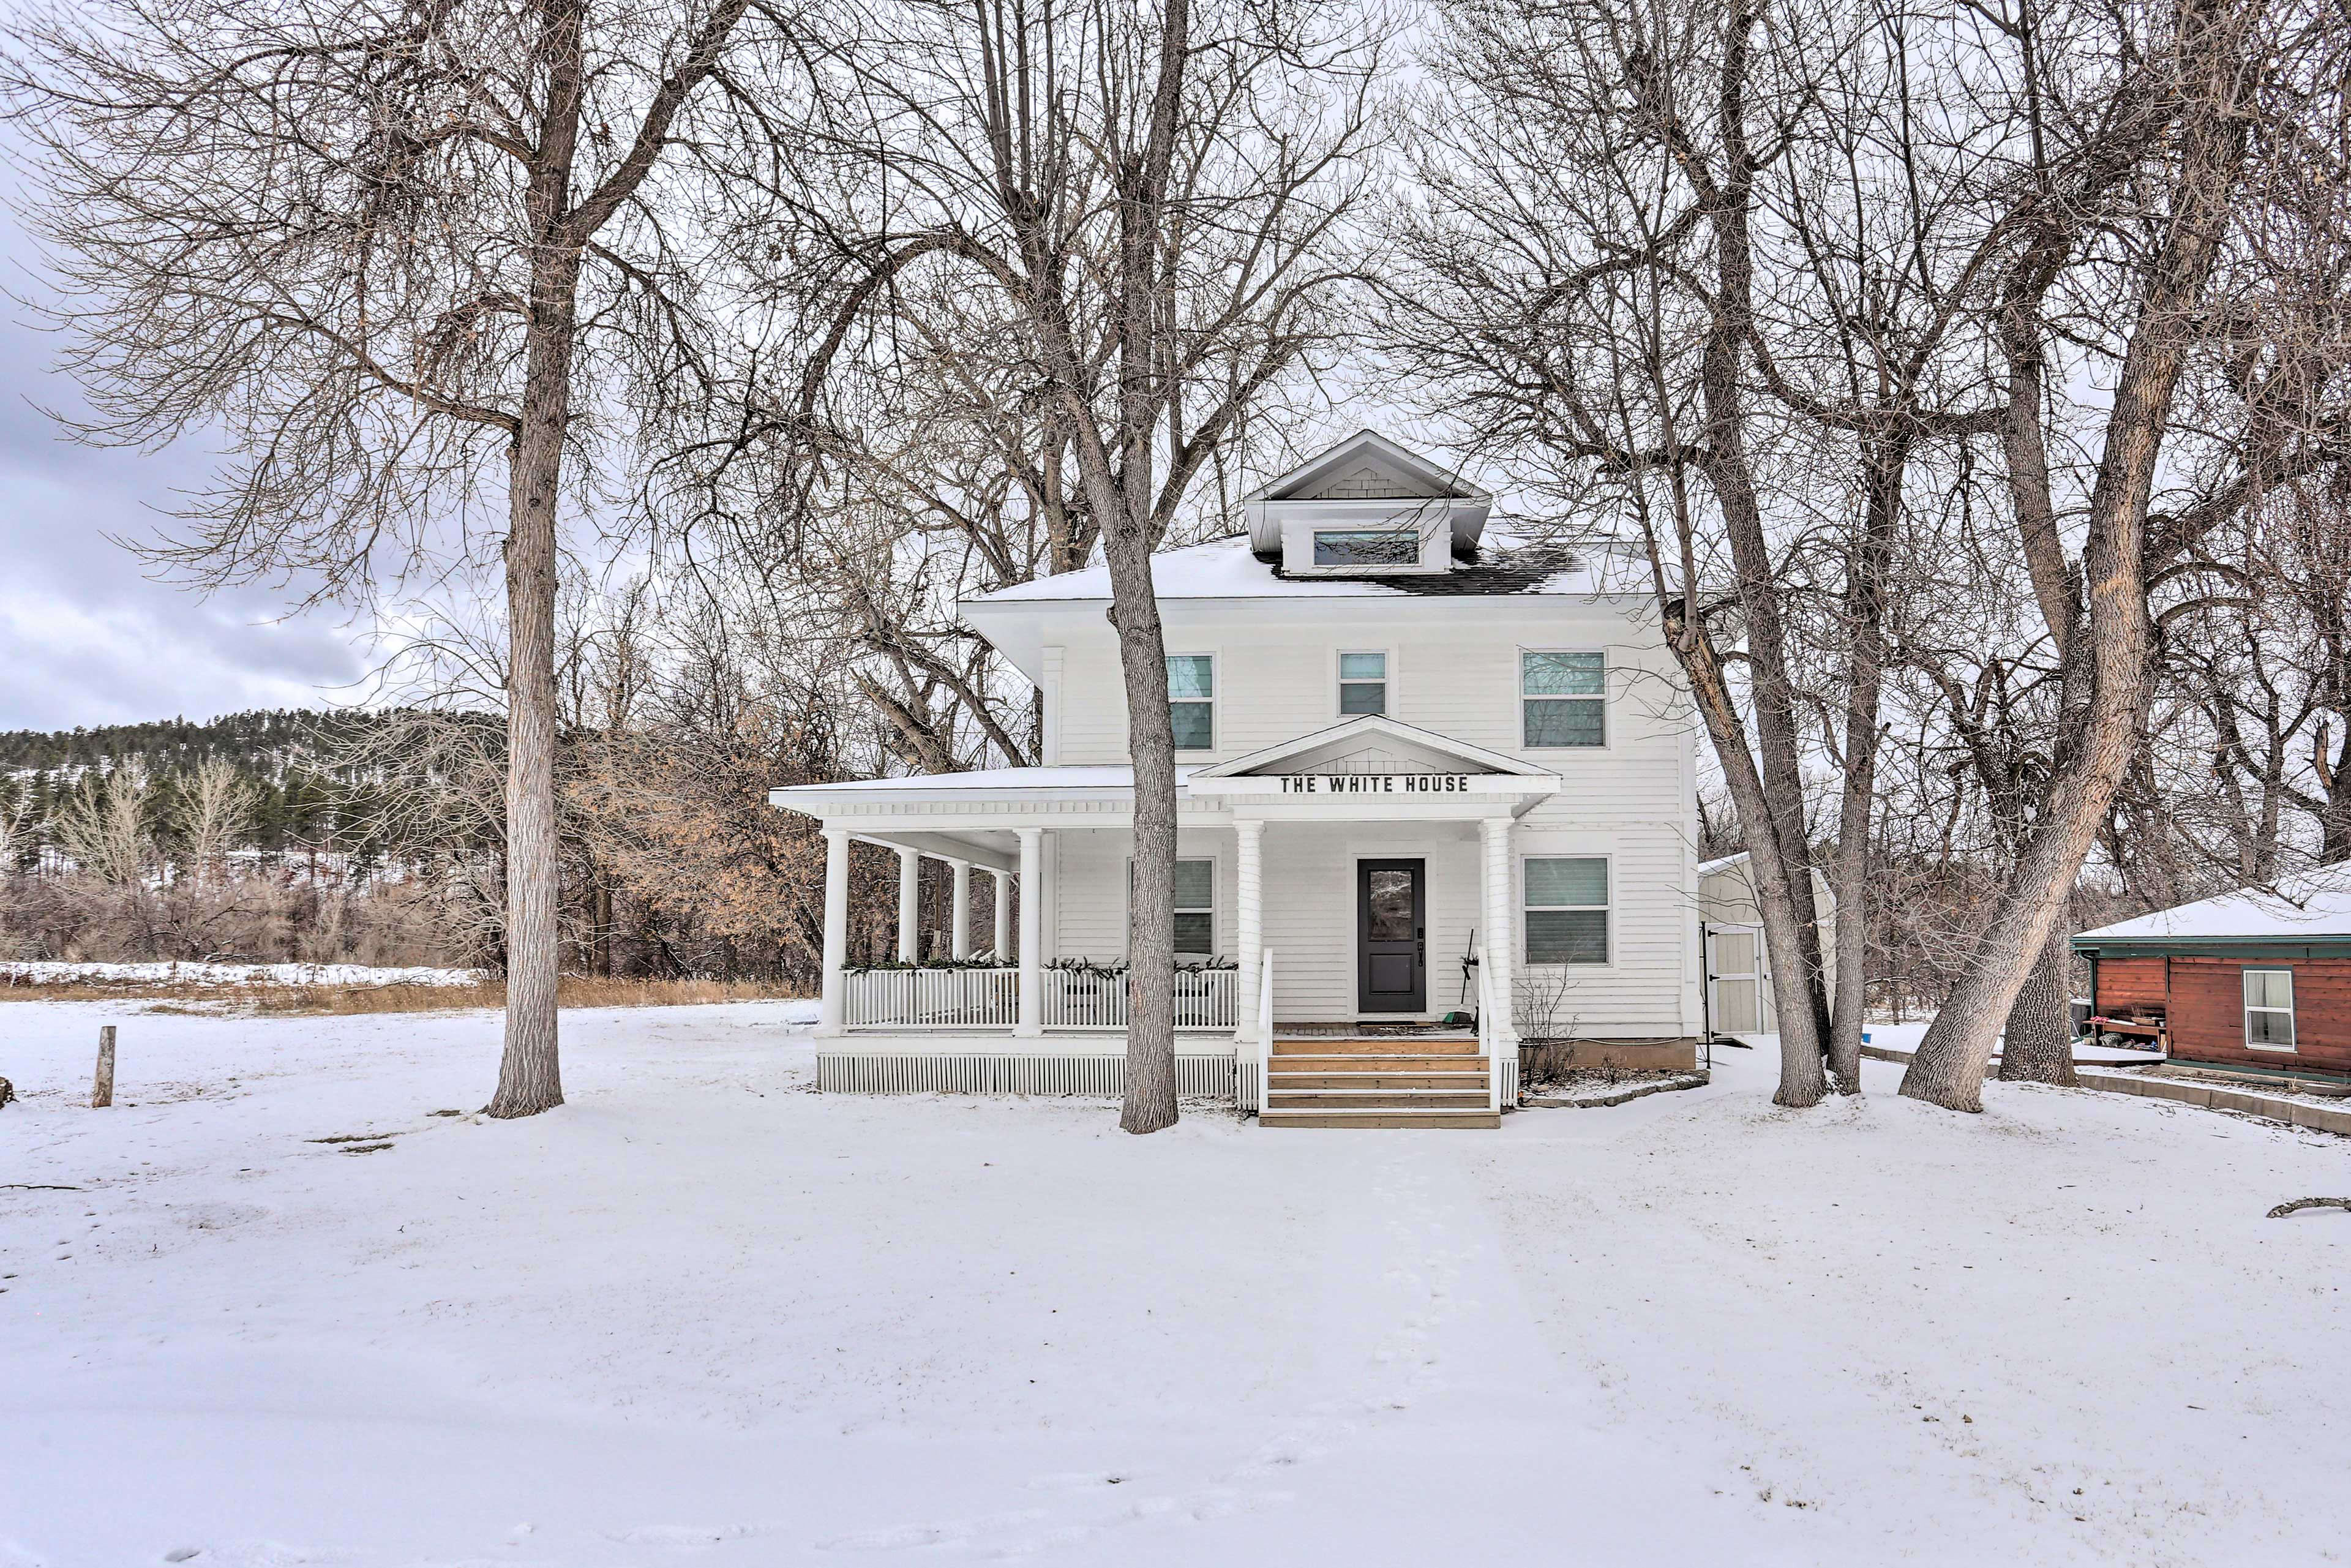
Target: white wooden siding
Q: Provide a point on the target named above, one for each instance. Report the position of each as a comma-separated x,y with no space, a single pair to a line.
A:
1276,680
1276,683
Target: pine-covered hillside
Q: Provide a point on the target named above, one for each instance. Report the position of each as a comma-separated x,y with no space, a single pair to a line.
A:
305,793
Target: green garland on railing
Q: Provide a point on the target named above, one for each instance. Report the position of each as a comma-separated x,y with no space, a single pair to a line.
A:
977,961
1116,968
1107,969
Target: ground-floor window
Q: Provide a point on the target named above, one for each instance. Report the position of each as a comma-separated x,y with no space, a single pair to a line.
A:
1567,909
2269,1009
1196,907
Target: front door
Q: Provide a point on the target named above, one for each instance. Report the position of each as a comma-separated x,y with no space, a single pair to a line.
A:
1391,940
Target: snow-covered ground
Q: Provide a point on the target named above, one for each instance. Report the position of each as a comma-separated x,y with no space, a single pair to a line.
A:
700,1315
52,972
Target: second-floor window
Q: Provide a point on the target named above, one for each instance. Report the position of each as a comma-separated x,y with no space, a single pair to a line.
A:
1562,699
1362,683
1192,700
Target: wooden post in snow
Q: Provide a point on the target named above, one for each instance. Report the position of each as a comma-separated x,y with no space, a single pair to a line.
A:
102,1094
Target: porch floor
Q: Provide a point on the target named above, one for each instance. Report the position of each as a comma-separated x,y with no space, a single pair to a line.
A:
1370,1032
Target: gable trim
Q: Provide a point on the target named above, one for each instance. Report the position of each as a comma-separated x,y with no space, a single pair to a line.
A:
1479,759
1447,486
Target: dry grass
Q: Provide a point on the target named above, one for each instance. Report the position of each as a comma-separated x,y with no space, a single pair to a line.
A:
575,991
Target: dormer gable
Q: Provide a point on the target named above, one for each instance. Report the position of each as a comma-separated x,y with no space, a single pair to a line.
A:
1366,506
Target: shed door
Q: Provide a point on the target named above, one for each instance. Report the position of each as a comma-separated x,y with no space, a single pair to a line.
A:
1734,978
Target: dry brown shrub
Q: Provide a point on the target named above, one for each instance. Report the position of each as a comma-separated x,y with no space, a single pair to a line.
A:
575,991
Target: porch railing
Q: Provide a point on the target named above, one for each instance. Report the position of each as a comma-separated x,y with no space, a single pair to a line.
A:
932,998
1489,1037
1096,998
990,999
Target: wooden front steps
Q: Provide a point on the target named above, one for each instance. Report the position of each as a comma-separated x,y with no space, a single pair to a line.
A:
1372,1082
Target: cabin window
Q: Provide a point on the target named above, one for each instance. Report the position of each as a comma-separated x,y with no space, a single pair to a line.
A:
1362,683
1567,910
1192,700
1366,547
1562,699
2269,1009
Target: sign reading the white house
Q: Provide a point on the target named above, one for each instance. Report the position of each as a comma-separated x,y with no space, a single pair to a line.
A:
1376,783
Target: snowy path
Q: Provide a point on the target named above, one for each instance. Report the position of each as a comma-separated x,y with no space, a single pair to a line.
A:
702,1316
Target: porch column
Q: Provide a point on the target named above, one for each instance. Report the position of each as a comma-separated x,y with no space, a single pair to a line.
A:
829,1011
910,906
1249,865
1002,881
1031,1020
960,926
1498,952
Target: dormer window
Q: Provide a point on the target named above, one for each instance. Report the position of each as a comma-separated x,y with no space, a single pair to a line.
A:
1368,507
1366,547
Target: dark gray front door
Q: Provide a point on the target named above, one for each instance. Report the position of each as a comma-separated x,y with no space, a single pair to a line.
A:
1391,947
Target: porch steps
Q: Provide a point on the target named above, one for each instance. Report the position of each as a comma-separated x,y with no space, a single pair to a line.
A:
1392,1081
1374,1045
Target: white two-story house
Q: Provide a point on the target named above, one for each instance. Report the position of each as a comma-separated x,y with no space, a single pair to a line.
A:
1401,743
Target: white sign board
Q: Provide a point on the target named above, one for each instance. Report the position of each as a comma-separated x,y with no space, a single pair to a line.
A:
1374,783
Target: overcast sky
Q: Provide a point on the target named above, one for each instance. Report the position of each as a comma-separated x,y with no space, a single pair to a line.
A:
85,637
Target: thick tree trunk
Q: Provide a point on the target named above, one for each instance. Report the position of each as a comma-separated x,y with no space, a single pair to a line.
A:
530,1079
1949,1068
1150,1102
2037,1046
1774,806
1865,613
1802,1078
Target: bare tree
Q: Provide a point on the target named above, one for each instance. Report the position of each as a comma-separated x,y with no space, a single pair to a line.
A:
1132,211
2195,133
107,826
403,257
212,814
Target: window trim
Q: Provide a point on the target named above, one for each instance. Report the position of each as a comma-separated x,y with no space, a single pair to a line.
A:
1608,889
1607,730
2245,1010
1215,688
1216,901
1339,682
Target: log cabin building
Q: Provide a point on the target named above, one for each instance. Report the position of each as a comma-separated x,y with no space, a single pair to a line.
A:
2253,981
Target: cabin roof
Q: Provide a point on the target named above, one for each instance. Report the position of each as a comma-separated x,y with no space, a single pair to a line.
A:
2314,905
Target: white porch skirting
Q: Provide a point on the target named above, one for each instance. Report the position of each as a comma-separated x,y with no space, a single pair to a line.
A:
1032,1072
1008,1072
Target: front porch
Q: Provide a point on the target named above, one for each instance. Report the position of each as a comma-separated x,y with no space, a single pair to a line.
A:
1356,881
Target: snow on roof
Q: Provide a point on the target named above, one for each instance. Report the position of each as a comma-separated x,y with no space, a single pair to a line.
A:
1226,568
1724,862
1118,776
2317,904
